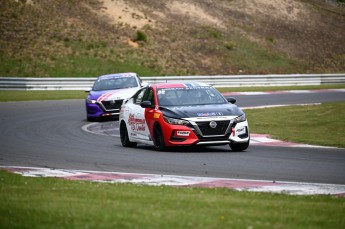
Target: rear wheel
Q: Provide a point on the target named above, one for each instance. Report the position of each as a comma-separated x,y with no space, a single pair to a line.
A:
124,137
238,147
158,138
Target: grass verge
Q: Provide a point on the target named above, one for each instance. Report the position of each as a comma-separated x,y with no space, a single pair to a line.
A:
57,203
318,124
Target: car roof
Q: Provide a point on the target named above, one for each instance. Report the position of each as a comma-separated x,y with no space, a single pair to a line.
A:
117,75
180,85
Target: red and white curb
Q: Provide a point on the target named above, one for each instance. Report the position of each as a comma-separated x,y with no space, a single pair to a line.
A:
292,188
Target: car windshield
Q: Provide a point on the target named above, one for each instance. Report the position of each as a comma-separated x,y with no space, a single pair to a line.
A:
189,96
114,83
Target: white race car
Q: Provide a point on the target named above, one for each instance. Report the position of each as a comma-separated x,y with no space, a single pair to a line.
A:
182,114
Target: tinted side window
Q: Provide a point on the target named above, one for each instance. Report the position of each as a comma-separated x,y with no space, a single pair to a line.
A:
139,96
149,96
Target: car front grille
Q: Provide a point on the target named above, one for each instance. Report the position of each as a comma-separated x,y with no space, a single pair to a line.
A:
207,130
112,104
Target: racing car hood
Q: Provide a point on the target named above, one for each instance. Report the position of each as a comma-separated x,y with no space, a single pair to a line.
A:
201,111
112,95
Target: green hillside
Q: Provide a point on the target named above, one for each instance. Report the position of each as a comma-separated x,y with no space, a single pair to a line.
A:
72,38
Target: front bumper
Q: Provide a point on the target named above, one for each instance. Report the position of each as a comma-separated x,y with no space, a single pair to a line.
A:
197,134
94,111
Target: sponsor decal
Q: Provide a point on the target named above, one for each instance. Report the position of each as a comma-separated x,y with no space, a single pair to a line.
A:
115,76
241,131
186,87
137,124
183,133
209,114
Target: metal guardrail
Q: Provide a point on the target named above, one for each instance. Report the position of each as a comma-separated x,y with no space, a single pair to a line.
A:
10,83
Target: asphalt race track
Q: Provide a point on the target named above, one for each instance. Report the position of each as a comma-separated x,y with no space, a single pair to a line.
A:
49,134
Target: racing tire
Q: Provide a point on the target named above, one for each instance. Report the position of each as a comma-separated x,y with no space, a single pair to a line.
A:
91,119
124,137
158,139
238,147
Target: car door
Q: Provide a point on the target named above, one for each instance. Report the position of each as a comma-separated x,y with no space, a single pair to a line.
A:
135,115
141,130
129,113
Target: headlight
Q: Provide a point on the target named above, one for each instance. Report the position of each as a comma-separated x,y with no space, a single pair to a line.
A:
174,121
240,118
91,101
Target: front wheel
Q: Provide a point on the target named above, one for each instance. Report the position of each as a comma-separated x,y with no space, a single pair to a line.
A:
124,137
158,138
91,119
238,147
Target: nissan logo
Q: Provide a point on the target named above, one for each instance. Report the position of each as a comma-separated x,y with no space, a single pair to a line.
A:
213,124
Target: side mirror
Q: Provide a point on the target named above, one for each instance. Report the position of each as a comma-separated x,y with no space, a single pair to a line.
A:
146,104
88,89
231,100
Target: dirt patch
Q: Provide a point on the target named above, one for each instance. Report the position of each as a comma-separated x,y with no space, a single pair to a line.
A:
123,13
290,10
132,43
194,12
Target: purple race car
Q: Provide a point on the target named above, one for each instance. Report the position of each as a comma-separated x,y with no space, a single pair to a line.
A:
108,92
